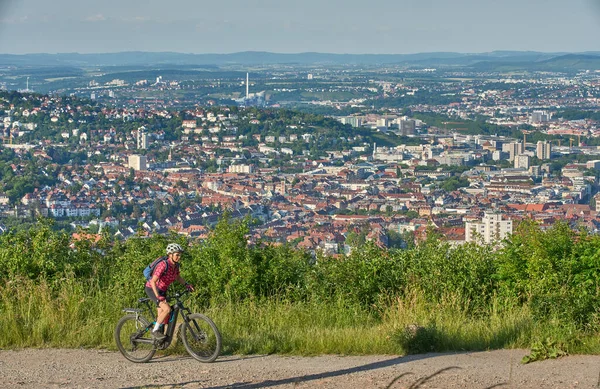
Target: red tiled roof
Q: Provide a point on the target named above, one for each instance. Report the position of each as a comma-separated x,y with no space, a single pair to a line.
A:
529,207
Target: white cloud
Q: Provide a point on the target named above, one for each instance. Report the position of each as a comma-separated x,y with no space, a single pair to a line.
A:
15,20
135,19
95,18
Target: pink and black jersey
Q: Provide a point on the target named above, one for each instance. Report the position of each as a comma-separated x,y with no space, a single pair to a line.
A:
166,275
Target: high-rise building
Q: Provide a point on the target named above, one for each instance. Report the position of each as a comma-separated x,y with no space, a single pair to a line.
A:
513,149
498,155
354,121
138,162
142,138
543,150
522,162
382,122
491,229
539,117
407,127
535,171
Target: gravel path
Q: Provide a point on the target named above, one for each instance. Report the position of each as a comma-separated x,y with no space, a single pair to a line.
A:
57,368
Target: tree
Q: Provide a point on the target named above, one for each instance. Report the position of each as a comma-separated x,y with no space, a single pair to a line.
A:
357,238
412,214
453,183
130,177
137,212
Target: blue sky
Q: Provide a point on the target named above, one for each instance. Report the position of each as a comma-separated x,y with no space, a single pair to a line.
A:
286,26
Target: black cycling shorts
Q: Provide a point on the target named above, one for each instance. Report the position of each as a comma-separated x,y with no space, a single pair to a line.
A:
154,297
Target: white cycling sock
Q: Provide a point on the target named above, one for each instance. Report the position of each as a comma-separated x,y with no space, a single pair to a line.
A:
156,326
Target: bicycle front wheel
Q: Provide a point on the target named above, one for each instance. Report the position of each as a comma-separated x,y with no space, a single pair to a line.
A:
134,338
201,338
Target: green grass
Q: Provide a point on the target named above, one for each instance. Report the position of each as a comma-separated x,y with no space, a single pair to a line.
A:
76,314
299,328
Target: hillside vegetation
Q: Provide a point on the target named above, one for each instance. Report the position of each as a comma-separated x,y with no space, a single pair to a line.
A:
542,287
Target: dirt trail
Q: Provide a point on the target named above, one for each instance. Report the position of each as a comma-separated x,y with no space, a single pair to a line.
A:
57,368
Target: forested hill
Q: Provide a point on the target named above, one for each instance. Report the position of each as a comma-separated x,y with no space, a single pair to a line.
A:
516,58
562,63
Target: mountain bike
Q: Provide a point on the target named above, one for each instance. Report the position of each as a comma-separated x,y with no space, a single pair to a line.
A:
199,334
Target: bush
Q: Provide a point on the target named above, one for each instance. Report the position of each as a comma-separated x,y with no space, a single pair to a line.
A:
552,275
555,271
415,339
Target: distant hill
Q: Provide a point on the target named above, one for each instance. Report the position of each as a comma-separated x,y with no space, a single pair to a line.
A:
574,61
562,63
242,58
492,61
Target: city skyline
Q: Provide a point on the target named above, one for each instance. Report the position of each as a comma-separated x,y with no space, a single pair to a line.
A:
376,27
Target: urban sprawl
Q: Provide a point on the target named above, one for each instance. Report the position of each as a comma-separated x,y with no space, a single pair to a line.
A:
99,159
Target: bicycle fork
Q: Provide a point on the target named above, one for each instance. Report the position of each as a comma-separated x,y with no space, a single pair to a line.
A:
198,334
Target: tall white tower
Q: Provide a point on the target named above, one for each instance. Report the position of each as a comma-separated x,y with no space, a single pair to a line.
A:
247,80
142,138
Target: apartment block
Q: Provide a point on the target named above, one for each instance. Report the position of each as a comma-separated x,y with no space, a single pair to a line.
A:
142,138
513,149
522,162
543,150
248,169
492,229
138,162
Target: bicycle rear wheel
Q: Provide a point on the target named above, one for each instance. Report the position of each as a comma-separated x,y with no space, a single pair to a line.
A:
201,338
134,338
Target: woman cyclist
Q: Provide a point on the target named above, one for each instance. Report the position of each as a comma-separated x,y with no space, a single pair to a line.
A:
156,288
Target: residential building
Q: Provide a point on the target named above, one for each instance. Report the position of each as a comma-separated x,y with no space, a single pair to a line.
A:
354,121
513,149
522,162
491,229
543,150
407,127
248,169
142,138
138,162
593,164
539,117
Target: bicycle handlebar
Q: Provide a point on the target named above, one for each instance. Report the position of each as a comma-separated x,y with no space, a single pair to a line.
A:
177,295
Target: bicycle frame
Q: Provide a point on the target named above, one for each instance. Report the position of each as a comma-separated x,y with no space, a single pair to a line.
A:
176,309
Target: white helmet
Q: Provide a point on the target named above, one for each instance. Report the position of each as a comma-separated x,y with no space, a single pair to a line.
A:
174,248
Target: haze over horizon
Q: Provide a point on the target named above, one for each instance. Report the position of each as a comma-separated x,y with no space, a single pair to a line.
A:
337,27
